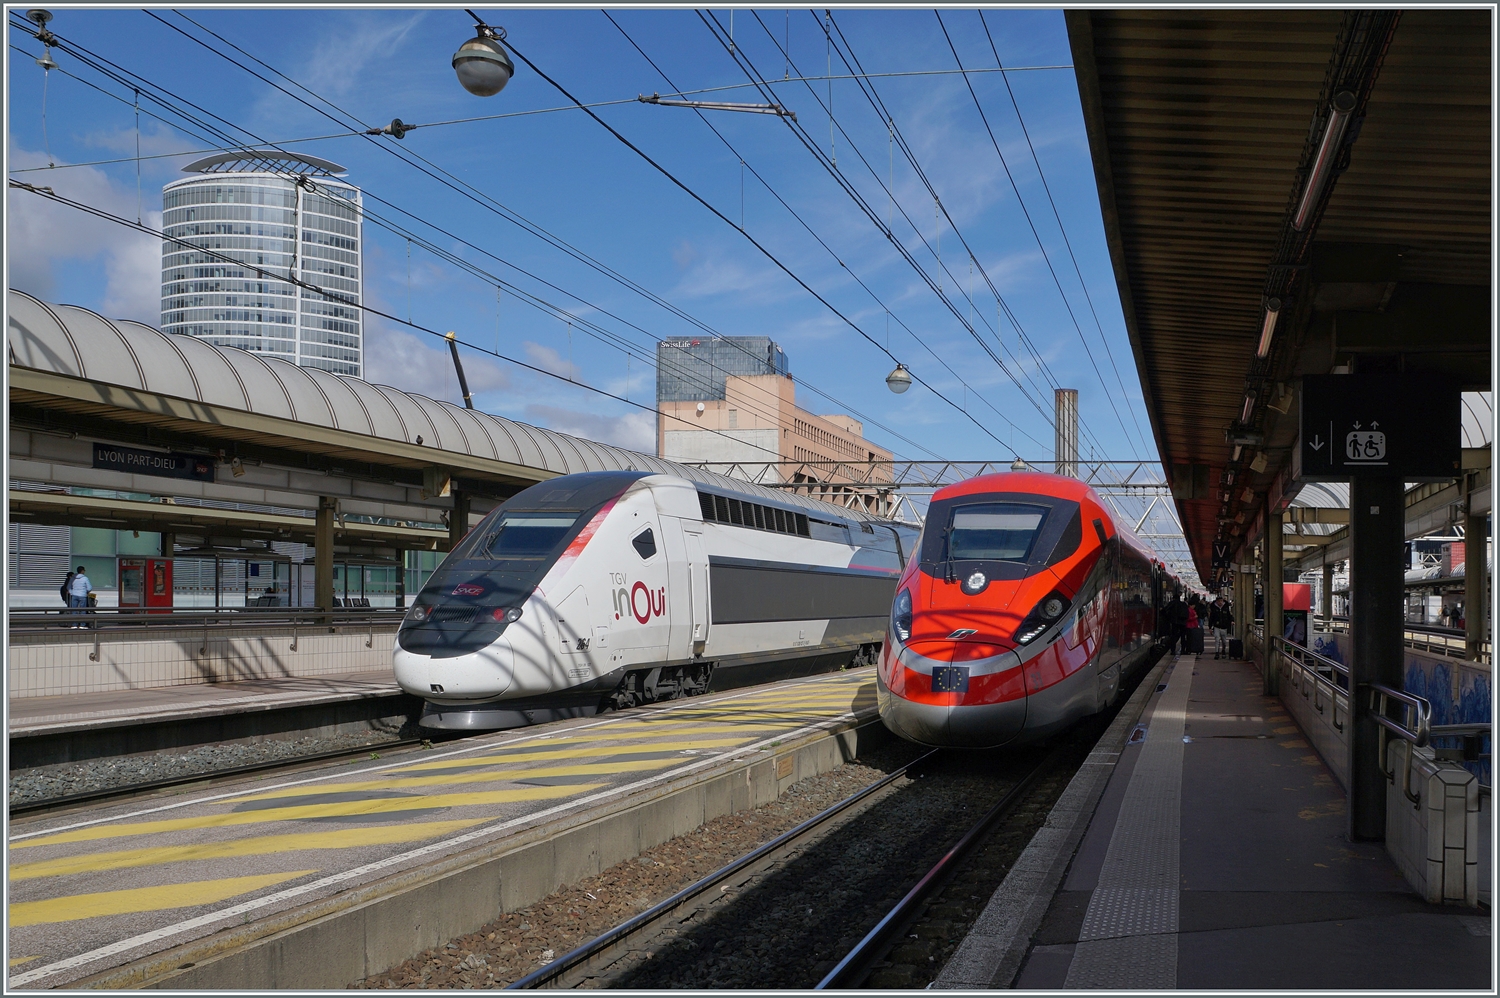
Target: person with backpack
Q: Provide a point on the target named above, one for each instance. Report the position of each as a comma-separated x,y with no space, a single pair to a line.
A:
76,589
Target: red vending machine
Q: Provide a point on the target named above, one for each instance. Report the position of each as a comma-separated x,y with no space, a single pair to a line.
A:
146,582
1296,602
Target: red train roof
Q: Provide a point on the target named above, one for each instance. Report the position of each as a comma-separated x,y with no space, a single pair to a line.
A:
1020,481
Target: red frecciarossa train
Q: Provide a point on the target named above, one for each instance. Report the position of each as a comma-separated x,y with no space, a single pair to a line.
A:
1022,609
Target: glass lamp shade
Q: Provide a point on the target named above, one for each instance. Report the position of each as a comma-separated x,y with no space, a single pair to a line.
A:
483,66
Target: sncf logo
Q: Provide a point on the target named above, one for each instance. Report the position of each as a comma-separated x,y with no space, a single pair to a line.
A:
640,602
468,589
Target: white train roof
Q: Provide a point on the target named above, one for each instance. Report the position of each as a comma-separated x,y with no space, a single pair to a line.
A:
73,341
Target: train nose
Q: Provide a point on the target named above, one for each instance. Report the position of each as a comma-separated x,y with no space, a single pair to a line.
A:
481,675
951,694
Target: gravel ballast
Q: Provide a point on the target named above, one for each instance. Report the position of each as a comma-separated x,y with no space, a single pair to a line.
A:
519,942
122,772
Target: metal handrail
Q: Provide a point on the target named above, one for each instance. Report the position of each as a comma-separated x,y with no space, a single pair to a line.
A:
1380,700
1450,730
1303,663
47,619
1414,737
1450,645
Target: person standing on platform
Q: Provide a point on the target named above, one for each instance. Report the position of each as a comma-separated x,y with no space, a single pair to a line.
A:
1192,640
79,588
1175,615
1220,619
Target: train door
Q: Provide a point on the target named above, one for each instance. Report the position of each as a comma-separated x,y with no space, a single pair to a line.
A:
679,589
700,599
641,611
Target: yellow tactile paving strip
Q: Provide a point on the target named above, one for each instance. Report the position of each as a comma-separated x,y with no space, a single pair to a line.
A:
88,892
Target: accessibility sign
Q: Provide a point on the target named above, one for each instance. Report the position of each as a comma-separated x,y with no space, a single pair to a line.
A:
1400,425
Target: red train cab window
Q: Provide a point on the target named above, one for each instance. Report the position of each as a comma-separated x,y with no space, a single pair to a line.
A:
1007,535
994,531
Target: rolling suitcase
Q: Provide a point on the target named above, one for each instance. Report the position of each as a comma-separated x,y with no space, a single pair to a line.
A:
1236,648
1195,641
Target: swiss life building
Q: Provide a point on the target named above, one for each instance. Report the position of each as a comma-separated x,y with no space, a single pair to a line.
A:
286,214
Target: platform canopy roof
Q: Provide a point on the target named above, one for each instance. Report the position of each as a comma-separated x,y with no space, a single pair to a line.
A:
1202,125
66,360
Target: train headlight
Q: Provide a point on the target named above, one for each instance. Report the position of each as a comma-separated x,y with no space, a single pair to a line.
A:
418,613
1046,613
901,615
507,615
975,583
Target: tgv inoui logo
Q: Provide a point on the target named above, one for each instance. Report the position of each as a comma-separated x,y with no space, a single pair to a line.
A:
639,601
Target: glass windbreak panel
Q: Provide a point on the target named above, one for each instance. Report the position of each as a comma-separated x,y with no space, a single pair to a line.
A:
994,531
528,535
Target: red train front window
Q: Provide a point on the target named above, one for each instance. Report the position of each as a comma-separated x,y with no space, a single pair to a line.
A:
994,531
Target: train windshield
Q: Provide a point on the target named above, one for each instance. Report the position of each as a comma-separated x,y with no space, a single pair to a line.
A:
518,534
1007,535
995,531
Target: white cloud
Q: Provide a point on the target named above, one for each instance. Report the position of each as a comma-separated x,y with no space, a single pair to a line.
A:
634,431
550,360
45,236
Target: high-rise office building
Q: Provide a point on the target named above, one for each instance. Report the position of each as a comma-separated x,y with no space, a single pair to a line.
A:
730,402
287,214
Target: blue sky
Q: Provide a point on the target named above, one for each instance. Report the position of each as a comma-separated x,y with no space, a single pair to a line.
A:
567,175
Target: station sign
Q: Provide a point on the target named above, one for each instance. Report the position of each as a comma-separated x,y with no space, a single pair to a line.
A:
1405,426
1220,555
165,464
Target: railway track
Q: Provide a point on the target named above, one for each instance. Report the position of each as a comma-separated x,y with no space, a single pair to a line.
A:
642,952
760,921
583,963
66,802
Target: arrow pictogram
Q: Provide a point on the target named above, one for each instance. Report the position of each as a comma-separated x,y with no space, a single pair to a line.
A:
1317,443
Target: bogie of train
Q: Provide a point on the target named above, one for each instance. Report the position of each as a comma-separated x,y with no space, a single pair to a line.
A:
1025,606
609,589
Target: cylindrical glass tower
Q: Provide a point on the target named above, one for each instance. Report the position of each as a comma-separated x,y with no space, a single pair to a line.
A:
288,215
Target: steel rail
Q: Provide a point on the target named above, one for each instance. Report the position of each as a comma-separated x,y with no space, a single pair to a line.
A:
552,972
150,786
856,964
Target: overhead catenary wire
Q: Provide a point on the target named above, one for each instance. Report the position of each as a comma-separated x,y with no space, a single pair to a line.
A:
411,126
490,204
837,175
1046,257
889,122
400,231
754,242
851,60
917,230
1020,119
819,239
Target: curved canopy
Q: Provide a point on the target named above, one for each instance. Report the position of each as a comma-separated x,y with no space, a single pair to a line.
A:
78,343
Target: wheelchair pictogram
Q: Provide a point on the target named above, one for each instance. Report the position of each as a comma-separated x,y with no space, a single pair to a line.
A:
1365,445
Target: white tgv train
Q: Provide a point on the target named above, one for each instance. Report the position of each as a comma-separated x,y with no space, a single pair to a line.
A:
609,589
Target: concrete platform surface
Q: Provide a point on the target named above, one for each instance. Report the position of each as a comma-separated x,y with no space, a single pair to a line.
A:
1217,859
94,891
46,715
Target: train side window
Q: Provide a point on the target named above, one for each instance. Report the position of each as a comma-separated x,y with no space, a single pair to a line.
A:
1067,544
644,544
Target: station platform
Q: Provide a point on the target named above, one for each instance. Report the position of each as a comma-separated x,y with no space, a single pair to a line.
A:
320,878
114,708
1205,849
77,727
